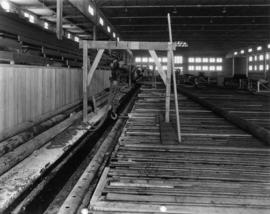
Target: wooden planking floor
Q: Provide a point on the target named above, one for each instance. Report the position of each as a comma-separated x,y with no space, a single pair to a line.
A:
218,168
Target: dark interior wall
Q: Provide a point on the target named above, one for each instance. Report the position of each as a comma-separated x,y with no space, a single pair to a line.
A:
240,65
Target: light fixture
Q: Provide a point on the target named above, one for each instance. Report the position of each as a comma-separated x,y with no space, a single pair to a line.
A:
224,10
91,10
101,22
26,15
108,29
69,36
76,39
242,52
5,5
268,45
250,50
118,39
235,53
114,35
259,48
46,25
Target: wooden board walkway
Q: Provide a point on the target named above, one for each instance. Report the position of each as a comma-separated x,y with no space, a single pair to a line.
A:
218,168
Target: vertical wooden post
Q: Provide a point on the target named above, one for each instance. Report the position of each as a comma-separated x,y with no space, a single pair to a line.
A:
168,89
85,72
94,32
59,17
233,66
174,81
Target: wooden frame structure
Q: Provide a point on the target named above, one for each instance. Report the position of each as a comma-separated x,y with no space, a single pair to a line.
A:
152,47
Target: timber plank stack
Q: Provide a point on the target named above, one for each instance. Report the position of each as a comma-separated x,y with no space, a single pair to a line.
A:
217,168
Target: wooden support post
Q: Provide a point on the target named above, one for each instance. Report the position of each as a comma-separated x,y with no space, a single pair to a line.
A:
94,104
174,81
94,32
168,88
85,71
130,66
59,18
94,65
158,65
233,66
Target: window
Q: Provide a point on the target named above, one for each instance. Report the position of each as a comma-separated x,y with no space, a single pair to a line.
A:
151,67
250,68
255,67
261,67
250,59
212,68
205,68
267,56
118,39
267,67
91,10
219,68
261,57
101,22
69,36
46,25
138,59
205,60
5,5
31,19
198,68
151,59
219,60
178,59
255,58
191,68
164,67
198,60
259,48
212,60
242,52
250,50
164,59
191,59
159,59
114,35
235,53
144,59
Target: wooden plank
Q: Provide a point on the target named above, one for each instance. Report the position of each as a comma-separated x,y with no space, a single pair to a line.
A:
94,65
128,45
168,88
85,81
158,64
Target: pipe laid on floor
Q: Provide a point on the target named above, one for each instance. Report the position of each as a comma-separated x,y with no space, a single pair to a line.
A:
257,131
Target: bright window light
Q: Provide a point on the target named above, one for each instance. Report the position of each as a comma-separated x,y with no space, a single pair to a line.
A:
76,39
261,67
114,35
250,59
69,36
144,59
138,59
150,59
212,60
255,58
26,15
108,29
159,59
250,67
31,19
205,60
268,46
235,53
242,52
205,68
259,48
267,67
151,67
178,59
219,60
250,50
101,21
118,39
164,67
212,68
219,68
191,68
46,25
261,57
164,59
5,5
191,59
255,68
91,10
198,60
198,68
267,56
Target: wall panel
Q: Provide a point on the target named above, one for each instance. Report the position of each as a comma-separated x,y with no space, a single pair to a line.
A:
28,92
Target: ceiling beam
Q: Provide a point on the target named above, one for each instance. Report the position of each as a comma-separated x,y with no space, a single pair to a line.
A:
191,17
188,25
182,6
